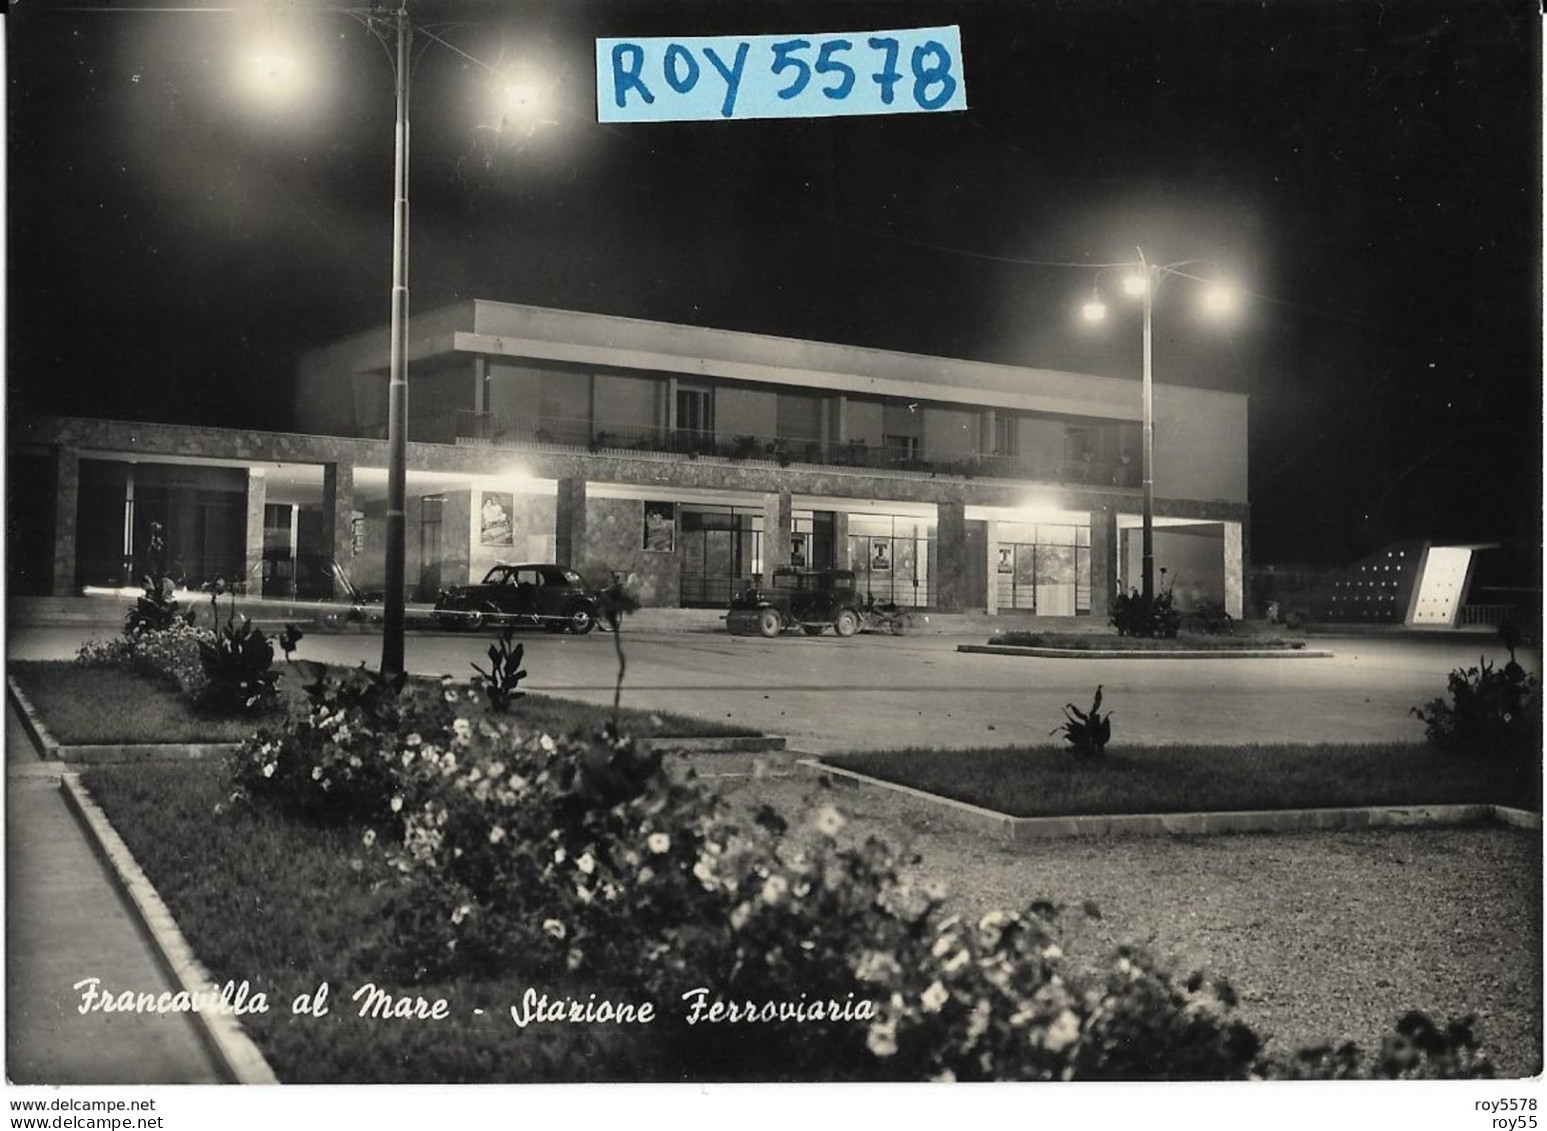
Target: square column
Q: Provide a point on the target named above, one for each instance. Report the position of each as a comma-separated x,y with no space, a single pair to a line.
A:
991,538
569,525
252,557
338,505
843,557
951,556
1103,561
67,488
778,512
1235,569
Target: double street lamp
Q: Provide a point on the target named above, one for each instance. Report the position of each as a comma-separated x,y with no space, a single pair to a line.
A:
1142,280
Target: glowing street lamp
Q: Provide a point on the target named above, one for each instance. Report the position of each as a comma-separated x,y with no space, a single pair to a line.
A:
1141,282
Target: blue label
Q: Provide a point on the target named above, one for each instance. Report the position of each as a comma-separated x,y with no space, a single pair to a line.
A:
712,78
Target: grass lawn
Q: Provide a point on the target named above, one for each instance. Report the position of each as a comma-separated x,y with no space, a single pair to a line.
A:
1047,781
107,705
1109,642
287,906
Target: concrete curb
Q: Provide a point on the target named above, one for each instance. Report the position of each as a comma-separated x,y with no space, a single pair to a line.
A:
1148,654
50,749
1023,829
233,1050
730,744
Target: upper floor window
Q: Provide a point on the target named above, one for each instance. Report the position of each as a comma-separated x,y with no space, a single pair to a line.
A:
695,410
1006,435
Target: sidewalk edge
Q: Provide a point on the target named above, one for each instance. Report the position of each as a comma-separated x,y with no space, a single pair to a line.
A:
234,1051
1017,829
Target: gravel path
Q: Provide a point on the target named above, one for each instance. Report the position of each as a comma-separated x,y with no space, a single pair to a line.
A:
1326,936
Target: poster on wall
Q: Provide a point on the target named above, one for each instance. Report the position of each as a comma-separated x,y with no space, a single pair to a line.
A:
660,527
880,556
1006,559
494,527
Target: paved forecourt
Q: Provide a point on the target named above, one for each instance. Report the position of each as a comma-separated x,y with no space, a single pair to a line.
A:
872,692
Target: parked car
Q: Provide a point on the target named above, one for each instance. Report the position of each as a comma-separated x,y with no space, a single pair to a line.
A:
522,595
810,598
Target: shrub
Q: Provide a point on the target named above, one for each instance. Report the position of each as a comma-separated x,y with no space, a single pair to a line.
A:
1132,615
239,670
171,655
1492,711
344,760
1086,733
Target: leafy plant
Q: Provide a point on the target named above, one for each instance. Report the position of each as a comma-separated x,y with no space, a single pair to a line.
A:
1491,711
238,664
155,610
505,671
1087,732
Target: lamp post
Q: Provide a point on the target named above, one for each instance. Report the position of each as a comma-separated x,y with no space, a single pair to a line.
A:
1142,282
397,387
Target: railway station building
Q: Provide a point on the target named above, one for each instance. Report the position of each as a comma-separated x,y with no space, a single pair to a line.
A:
692,461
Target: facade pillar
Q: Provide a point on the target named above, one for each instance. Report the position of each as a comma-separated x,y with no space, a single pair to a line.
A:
252,558
1103,561
843,557
778,510
338,505
991,538
67,490
951,556
1235,569
569,526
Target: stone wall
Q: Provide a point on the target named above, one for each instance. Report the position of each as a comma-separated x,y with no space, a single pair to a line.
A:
615,533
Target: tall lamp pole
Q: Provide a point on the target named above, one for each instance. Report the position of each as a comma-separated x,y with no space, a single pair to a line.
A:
397,388
1149,436
1219,299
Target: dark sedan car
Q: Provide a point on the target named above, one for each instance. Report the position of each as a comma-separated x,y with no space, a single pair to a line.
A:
812,599
522,595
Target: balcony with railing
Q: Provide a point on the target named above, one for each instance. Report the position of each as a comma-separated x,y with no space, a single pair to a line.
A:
569,433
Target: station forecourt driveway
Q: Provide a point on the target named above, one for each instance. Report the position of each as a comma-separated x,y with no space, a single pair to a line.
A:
873,692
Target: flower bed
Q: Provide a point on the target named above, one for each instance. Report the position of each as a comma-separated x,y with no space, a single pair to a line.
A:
560,908
1108,642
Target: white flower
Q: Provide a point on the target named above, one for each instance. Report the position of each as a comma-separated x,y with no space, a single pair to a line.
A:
646,875
547,743
316,773
658,843
396,804
934,997
945,1076
585,863
559,855
460,913
413,739
1052,951
828,821
957,961
740,916
1063,1032
942,944
496,834
268,769
704,870
369,837
775,889
554,928
875,966
882,1038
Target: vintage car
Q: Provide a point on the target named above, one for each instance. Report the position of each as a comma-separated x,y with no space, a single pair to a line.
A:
810,598
522,596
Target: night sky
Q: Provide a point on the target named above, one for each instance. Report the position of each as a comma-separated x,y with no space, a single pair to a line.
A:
1369,172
